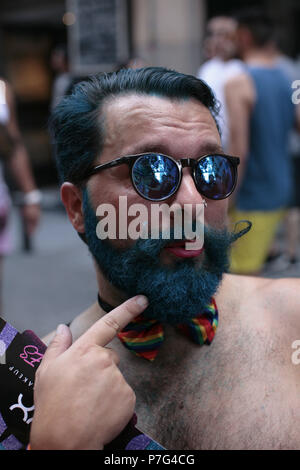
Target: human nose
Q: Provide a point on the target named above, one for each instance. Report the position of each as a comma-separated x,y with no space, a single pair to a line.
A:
187,192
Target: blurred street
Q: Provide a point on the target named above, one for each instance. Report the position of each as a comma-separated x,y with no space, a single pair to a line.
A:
56,281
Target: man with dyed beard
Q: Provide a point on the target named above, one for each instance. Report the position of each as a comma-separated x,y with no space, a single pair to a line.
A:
210,359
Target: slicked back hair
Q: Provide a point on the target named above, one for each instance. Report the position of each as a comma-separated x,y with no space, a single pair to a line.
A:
76,123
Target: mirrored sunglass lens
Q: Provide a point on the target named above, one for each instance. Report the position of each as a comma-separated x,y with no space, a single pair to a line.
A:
215,176
155,176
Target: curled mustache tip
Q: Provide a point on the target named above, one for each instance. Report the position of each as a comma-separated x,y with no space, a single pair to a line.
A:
237,234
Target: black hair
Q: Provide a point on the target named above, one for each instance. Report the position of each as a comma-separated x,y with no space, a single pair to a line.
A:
76,122
258,23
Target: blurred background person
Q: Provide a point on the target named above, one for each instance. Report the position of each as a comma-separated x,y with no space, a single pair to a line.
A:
290,250
132,63
222,65
63,79
14,154
261,115
285,254
136,63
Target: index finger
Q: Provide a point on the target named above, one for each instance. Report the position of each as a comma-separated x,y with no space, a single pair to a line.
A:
105,329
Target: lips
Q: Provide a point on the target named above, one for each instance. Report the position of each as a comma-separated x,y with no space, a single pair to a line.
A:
178,249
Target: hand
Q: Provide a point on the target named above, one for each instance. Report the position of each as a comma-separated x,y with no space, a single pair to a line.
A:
82,400
31,216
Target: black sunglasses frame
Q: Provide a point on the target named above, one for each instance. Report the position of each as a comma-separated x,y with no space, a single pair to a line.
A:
182,163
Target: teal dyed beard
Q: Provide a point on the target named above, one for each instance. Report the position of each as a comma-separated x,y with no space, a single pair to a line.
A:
176,293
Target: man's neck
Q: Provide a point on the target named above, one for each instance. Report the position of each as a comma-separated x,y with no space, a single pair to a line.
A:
110,294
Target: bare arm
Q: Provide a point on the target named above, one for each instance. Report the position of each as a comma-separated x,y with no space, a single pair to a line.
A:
19,164
19,161
240,98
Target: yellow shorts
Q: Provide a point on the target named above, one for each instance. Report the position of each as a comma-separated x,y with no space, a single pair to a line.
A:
249,252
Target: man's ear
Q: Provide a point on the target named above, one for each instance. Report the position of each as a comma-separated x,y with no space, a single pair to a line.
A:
71,197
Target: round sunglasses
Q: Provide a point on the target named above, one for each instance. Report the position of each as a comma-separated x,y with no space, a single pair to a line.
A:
157,177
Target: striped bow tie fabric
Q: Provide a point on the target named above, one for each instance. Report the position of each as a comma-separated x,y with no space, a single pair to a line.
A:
144,336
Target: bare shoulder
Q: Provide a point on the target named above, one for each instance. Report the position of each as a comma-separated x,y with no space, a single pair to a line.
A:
267,313
284,294
240,80
285,290
240,87
80,324
85,320
240,287
279,300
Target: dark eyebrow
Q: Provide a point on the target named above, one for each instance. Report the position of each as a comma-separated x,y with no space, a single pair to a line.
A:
157,148
210,147
204,149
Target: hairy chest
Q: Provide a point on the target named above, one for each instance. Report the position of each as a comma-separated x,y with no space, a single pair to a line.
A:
230,395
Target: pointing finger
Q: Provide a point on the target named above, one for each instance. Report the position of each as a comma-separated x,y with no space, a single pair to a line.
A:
105,329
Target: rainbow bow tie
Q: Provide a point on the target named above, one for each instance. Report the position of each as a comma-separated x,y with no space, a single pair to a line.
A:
144,337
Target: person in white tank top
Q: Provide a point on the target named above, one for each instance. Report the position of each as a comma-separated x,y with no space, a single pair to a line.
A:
221,66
